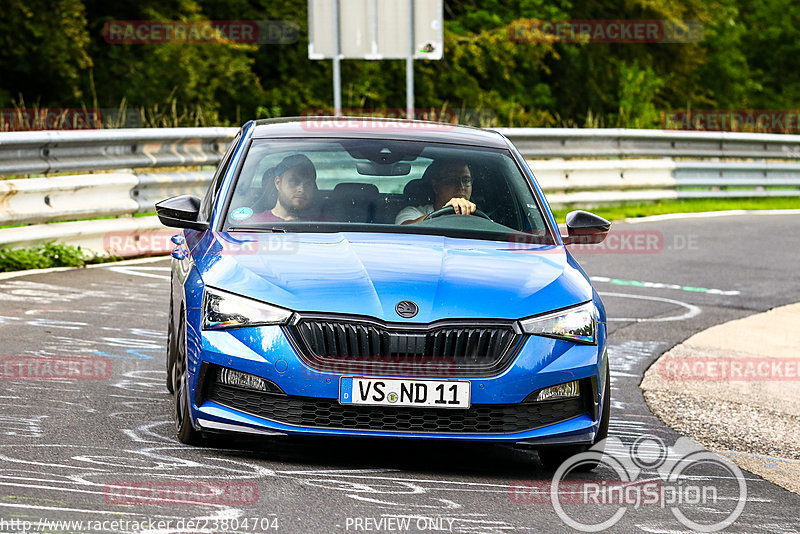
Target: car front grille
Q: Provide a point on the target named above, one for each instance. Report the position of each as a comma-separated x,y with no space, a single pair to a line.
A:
328,413
361,346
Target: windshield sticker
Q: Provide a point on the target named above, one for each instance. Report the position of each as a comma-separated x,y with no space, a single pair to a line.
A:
240,214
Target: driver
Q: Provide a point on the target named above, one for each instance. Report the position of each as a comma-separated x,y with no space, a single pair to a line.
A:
452,186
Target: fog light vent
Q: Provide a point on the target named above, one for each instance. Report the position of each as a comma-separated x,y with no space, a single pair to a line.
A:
230,377
566,390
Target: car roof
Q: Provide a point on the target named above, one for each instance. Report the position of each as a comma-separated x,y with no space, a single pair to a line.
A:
376,128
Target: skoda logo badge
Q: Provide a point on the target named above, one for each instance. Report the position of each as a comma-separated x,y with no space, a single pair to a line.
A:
406,308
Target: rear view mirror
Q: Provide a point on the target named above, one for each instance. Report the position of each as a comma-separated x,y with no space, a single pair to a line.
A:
180,212
585,228
369,168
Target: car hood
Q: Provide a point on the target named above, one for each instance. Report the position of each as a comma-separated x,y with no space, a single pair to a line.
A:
369,273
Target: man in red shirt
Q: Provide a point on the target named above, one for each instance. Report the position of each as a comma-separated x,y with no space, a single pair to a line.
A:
296,182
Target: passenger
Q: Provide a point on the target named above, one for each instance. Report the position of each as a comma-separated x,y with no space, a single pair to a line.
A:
451,182
296,183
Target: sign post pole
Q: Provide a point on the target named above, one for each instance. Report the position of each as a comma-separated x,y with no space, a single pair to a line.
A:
375,30
337,63
410,63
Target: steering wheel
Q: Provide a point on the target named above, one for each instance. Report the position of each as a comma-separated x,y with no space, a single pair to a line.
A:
450,210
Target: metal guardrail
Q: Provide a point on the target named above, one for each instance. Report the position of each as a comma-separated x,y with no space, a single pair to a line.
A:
73,151
624,143
87,150
152,188
574,167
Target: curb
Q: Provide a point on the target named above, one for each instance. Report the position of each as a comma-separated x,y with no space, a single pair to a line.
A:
733,388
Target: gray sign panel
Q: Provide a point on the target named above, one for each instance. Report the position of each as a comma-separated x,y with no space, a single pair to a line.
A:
375,29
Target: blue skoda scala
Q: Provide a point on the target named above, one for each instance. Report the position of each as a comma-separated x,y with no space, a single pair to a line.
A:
382,278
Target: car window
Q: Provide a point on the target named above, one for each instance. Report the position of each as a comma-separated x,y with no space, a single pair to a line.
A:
207,203
337,184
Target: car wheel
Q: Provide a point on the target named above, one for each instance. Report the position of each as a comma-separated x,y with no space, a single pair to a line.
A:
170,351
183,423
552,458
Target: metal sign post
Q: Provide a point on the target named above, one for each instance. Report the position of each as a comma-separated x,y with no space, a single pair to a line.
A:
375,29
410,64
337,61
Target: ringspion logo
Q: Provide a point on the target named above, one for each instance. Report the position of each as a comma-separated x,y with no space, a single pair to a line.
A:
705,492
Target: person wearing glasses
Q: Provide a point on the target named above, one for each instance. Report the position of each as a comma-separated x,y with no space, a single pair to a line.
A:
452,186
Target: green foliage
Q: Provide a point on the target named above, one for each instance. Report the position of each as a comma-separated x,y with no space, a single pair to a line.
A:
21,259
46,256
43,49
41,257
694,205
638,88
54,54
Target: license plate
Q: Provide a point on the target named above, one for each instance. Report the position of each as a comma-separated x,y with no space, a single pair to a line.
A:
400,392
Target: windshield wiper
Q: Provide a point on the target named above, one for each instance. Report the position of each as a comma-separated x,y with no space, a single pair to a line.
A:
276,229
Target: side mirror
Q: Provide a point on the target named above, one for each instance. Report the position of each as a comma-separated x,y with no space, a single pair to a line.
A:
180,212
585,228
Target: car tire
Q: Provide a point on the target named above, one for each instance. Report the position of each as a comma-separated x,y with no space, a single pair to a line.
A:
183,422
170,351
552,458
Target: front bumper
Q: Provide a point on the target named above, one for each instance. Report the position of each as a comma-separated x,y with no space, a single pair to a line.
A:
308,402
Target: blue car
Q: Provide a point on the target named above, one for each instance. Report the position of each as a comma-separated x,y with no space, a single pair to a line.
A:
383,278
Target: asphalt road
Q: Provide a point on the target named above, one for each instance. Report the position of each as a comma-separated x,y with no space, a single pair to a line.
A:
66,447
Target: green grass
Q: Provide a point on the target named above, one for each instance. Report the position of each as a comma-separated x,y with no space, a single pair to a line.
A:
135,215
616,213
46,256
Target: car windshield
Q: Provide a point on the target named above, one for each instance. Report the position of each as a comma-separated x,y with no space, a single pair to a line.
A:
377,185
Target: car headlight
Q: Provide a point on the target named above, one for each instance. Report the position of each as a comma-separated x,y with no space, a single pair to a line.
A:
577,324
226,310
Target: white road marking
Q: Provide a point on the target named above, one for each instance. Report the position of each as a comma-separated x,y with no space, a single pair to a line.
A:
63,509
138,271
663,285
691,309
448,504
708,214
